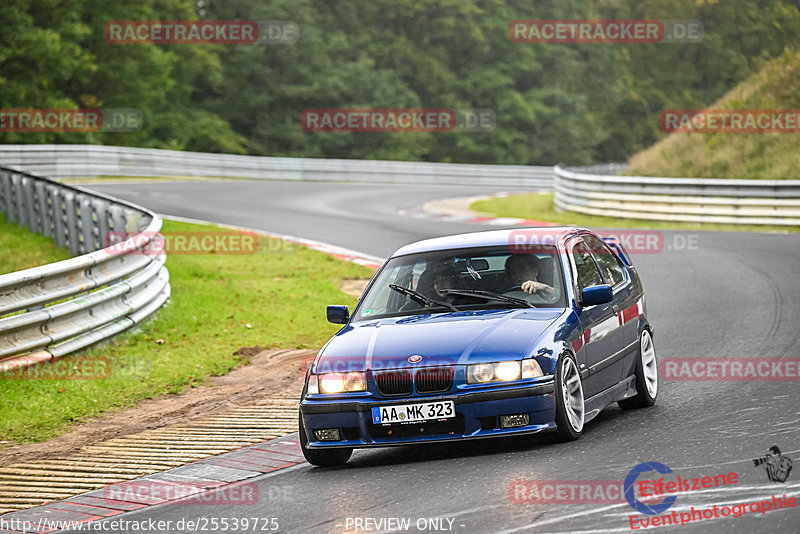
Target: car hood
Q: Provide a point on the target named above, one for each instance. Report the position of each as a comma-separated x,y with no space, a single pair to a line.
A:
440,339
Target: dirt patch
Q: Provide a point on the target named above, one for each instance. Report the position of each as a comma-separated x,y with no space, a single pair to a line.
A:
354,287
249,352
269,371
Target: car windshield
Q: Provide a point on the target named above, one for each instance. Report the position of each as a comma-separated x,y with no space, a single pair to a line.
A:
464,280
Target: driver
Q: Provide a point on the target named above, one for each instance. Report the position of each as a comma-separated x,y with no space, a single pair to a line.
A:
523,270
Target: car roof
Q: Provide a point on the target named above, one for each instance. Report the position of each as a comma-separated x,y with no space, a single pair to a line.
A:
489,238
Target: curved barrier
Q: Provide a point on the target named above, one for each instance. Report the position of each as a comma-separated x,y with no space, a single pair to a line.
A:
65,161
599,190
52,310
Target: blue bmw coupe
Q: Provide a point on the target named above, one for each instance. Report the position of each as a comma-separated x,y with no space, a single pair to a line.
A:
480,335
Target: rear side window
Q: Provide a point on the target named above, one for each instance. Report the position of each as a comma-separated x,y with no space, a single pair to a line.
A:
610,268
588,274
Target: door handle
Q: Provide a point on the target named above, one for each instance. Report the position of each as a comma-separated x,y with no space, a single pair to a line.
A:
616,309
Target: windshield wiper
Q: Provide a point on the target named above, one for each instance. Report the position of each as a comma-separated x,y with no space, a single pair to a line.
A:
420,298
488,295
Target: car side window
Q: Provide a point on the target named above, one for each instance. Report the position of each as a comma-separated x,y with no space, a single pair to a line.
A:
588,274
610,268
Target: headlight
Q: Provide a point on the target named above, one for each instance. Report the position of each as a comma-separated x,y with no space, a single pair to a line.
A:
355,382
482,372
505,371
331,383
339,382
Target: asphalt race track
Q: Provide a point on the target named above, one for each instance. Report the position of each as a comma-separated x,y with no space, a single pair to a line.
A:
357,216
709,295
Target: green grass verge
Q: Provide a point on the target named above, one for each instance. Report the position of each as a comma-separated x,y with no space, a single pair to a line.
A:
540,207
22,249
274,298
735,155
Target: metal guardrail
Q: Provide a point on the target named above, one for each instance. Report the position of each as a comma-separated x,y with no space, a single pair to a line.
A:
52,310
66,161
599,190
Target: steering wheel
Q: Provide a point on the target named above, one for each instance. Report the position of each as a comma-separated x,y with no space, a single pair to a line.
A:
518,287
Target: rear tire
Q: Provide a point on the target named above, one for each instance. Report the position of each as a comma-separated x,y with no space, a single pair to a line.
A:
322,457
646,375
570,410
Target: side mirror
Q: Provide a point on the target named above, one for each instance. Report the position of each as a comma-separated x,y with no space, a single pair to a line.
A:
594,295
338,314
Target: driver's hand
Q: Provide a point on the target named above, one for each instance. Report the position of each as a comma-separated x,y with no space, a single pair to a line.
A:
531,286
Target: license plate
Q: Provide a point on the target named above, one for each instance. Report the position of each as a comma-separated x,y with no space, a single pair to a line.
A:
405,413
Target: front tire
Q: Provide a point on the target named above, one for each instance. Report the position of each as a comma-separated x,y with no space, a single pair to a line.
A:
322,457
570,410
646,375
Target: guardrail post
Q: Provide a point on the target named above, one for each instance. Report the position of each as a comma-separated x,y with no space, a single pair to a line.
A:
3,194
101,223
28,200
86,224
72,222
16,211
116,215
44,212
57,214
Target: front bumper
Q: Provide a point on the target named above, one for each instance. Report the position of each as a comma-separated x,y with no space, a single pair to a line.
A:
477,416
